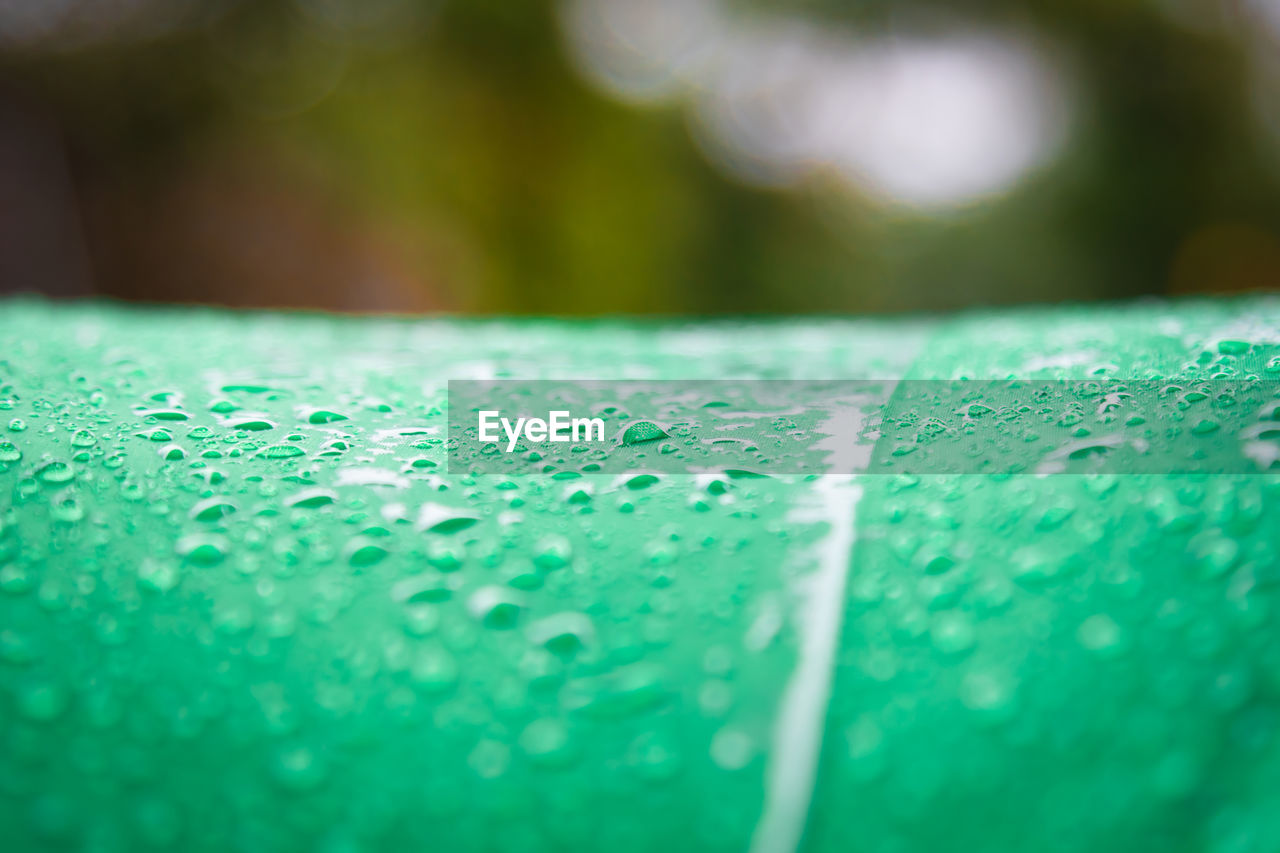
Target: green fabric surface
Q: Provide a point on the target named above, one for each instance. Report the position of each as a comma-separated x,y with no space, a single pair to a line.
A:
245,606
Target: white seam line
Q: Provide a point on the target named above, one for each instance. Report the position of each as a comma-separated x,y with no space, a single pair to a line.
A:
791,774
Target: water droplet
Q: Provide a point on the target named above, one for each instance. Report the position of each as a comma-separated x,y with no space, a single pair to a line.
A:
421,619
298,769
987,691
16,648
642,431
212,509
552,552
324,416
434,670
311,499
563,634
865,740
42,701
1214,555
364,553
173,453
495,606
1100,634
546,742
67,508
1054,517
55,472
489,758
935,560
445,556
453,524
202,550
952,633
251,424
16,579
654,756
1031,566
157,575
732,749
164,414
281,451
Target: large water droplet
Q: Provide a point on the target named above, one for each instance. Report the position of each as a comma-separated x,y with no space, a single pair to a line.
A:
642,431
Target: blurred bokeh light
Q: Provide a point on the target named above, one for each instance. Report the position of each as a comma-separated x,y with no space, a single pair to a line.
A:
603,156
926,121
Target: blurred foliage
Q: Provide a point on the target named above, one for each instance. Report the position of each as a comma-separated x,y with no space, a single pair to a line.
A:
470,153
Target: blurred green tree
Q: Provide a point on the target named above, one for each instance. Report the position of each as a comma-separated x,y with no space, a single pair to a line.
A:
457,159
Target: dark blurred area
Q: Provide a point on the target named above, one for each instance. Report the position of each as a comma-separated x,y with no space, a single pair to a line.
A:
606,156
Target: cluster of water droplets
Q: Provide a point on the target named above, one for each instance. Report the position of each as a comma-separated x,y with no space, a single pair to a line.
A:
1083,660
245,601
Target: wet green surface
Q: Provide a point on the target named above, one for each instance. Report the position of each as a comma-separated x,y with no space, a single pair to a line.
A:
1065,662
244,606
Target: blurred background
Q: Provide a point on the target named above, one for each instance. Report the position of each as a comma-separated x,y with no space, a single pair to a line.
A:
657,156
